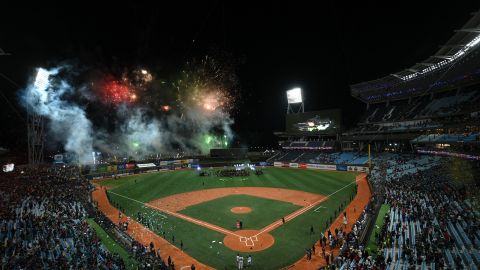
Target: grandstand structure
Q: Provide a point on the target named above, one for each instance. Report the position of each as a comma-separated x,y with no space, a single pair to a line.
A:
434,103
432,106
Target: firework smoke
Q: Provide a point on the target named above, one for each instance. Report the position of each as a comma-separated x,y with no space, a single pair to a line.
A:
136,114
67,122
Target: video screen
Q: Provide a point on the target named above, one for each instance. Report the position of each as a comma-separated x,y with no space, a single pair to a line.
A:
327,122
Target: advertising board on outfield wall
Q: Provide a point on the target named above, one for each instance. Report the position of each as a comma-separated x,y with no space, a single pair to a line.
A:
357,169
325,167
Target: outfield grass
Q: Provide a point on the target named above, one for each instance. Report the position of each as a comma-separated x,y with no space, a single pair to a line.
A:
372,244
112,245
291,239
264,211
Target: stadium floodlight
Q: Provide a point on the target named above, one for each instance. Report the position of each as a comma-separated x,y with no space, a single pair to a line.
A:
41,81
294,96
8,167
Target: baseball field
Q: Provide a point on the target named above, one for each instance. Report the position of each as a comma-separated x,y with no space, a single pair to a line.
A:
194,219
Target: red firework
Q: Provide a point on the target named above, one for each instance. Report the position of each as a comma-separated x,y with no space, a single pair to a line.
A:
116,92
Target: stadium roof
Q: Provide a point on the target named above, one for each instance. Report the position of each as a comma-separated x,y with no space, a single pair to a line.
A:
440,70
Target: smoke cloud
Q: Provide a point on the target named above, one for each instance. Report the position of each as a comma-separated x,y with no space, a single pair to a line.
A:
132,117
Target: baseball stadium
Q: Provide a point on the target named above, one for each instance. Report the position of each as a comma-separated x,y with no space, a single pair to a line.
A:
198,148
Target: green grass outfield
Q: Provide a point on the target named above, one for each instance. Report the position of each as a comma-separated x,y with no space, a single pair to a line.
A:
112,245
291,239
372,244
264,211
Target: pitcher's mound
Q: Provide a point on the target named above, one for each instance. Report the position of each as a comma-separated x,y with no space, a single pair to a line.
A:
248,241
241,210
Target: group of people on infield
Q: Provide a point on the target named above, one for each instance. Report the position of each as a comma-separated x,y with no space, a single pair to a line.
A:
240,261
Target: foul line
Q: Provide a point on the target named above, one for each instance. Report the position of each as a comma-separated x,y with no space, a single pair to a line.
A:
137,201
181,216
302,210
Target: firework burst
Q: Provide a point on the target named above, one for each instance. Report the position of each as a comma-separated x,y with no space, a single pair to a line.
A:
206,85
116,92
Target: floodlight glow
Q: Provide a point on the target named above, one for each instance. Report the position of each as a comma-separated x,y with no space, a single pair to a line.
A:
323,127
8,167
41,81
294,96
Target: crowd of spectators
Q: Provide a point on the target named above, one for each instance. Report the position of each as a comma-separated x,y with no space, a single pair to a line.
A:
352,252
431,223
43,224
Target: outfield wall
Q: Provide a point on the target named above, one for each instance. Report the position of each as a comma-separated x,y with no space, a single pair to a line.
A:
324,167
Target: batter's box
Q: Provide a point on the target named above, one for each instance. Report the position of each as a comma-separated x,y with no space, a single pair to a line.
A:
249,241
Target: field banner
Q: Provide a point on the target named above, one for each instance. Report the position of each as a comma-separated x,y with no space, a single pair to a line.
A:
121,167
311,166
341,167
325,167
146,165
163,163
357,169
302,165
130,166
286,165
184,161
293,165
177,162
277,164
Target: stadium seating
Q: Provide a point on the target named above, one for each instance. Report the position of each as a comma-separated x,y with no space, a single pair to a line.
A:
417,113
350,158
427,220
43,223
447,138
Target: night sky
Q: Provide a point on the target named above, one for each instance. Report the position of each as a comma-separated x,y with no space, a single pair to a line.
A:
322,47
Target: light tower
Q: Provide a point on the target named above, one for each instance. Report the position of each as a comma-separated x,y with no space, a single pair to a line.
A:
295,101
35,121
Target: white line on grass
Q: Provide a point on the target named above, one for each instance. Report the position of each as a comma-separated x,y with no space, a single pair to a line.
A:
303,210
320,207
137,201
192,220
